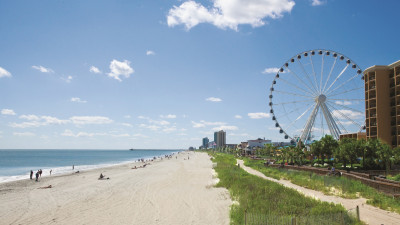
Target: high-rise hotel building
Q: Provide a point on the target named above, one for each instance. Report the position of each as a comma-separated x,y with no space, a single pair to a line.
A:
220,138
382,103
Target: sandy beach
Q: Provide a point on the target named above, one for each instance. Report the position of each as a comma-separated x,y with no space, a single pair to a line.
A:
168,191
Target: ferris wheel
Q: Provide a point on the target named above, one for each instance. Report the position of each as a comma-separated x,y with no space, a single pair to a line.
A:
317,92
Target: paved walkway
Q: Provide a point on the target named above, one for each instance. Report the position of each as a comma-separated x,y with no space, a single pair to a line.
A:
368,214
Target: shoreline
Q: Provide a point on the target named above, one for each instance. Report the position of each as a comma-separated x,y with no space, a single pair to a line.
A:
63,170
167,191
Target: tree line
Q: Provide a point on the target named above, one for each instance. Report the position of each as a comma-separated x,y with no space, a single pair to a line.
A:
370,154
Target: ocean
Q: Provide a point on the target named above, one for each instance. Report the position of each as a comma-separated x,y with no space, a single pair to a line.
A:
17,164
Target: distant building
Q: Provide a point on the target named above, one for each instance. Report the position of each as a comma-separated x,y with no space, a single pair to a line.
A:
205,142
220,138
283,144
242,147
258,143
382,103
357,136
212,144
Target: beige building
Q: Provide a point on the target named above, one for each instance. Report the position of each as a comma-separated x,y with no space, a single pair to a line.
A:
382,103
357,136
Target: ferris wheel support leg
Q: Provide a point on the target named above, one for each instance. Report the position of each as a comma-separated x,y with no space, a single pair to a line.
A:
333,127
309,124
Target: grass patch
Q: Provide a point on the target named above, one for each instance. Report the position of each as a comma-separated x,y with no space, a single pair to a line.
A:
268,202
331,185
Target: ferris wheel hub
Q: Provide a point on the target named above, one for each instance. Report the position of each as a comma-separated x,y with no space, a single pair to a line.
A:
320,99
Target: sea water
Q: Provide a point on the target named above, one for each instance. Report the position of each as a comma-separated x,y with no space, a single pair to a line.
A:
17,164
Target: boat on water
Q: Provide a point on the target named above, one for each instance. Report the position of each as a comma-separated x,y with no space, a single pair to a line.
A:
131,149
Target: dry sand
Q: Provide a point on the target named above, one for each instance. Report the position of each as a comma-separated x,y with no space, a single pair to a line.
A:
170,191
368,214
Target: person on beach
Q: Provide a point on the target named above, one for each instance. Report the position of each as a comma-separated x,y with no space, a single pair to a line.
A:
73,167
37,175
31,175
50,172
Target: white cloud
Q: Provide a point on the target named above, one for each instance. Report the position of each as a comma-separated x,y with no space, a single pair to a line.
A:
239,135
69,133
140,135
169,116
238,116
8,112
49,120
4,73
271,70
68,79
24,134
78,100
29,117
36,121
258,115
343,113
127,116
198,125
225,128
81,120
150,127
158,122
149,52
169,129
43,69
119,68
94,69
126,124
26,124
317,2
228,13
203,123
213,99
343,102
120,135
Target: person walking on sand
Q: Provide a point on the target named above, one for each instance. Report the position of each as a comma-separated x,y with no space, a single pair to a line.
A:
37,175
73,167
40,172
31,175
50,172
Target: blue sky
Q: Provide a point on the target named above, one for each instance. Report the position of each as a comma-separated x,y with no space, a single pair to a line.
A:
165,74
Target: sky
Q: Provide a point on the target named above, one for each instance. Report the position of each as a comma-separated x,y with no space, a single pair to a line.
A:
166,73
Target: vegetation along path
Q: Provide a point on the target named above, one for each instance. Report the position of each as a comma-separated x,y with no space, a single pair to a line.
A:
368,214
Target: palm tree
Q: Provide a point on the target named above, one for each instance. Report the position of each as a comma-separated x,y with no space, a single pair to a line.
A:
386,156
369,153
329,145
342,152
316,148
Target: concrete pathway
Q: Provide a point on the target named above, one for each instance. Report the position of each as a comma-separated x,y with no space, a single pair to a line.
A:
368,214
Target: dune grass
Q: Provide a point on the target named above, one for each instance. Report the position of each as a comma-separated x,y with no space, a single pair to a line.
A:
339,186
265,201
